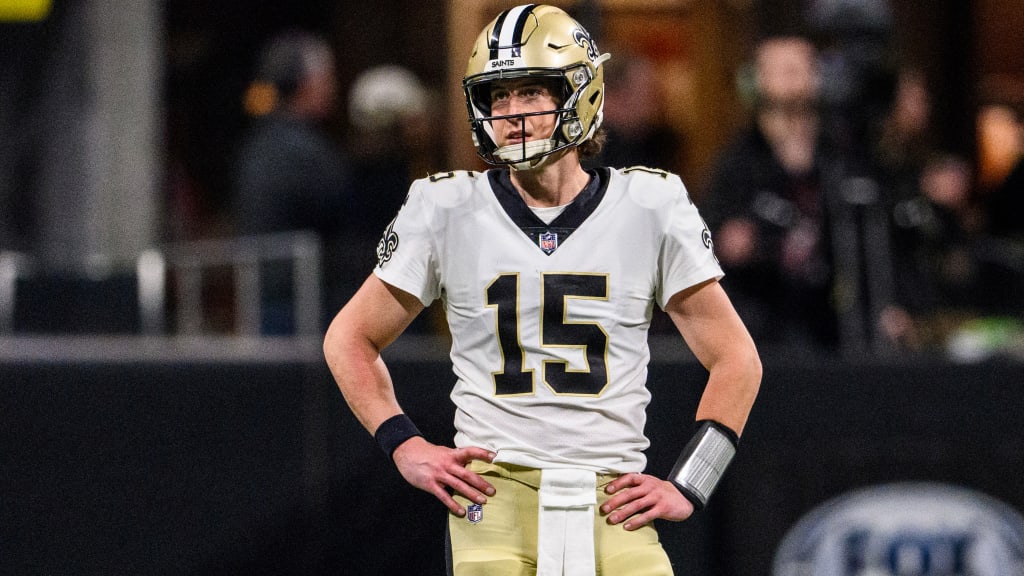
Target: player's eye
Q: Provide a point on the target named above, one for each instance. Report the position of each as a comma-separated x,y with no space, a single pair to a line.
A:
532,92
500,95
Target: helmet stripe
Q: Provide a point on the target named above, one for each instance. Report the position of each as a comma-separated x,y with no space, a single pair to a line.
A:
506,37
492,44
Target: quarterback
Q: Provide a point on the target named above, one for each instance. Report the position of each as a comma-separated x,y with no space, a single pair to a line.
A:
549,274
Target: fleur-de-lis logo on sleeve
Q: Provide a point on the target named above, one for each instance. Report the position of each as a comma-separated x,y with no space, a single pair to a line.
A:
387,245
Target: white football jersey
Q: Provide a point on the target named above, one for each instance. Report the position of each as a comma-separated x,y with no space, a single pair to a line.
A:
549,322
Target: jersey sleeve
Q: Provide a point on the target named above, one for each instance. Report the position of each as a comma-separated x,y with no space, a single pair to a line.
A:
406,254
687,255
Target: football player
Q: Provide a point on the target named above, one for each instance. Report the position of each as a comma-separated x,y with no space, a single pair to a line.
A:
549,274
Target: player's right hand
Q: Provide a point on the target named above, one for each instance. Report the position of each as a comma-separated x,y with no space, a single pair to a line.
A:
435,469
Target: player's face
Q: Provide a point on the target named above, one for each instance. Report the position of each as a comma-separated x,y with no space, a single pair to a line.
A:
522,96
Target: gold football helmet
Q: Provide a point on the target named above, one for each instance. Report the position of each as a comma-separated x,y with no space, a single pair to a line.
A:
536,41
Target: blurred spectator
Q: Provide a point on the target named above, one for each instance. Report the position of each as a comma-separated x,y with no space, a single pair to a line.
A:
390,143
393,140
1001,132
637,132
937,234
290,175
769,201
900,146
902,141
955,250
1001,138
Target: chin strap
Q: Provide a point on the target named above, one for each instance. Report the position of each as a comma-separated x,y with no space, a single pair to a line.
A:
523,155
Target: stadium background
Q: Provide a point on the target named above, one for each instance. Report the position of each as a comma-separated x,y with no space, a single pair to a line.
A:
222,454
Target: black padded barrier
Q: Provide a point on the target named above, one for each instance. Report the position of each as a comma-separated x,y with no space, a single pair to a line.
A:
202,467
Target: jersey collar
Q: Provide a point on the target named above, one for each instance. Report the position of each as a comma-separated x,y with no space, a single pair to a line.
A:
547,237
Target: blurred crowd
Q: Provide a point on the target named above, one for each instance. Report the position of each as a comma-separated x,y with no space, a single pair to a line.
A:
291,172
842,224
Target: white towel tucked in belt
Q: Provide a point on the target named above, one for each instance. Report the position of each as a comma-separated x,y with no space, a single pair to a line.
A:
565,534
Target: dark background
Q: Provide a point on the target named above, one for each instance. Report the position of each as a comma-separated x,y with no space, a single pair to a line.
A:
228,467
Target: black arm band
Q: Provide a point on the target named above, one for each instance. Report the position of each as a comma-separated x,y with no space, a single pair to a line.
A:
393,431
703,462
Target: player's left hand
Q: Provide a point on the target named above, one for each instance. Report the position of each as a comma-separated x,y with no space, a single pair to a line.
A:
637,499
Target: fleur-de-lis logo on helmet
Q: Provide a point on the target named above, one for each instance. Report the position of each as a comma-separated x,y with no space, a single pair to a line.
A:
583,40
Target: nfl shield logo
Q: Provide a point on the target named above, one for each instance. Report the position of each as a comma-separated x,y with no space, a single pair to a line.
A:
475,513
548,242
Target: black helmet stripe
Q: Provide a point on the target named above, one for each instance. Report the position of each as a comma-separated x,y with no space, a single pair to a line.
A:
492,44
506,38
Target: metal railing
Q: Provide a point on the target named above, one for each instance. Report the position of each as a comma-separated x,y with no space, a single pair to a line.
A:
185,264
189,261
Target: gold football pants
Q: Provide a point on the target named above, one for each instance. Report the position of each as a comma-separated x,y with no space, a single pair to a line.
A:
503,539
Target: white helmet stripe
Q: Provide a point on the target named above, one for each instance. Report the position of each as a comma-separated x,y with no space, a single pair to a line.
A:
511,31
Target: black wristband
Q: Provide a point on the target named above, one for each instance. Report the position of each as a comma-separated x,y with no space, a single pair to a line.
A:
393,431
